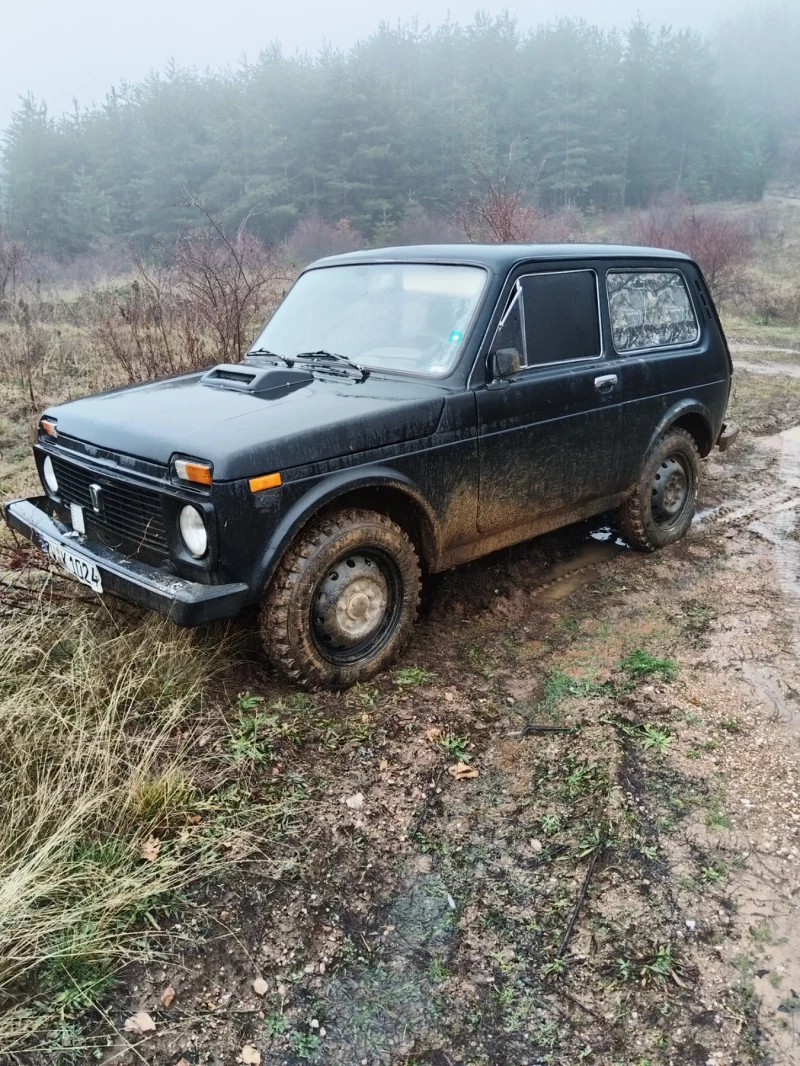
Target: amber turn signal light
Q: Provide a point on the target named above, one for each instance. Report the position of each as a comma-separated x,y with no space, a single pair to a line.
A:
49,427
186,470
266,481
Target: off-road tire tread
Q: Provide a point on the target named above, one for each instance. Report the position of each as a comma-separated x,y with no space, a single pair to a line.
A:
631,514
276,605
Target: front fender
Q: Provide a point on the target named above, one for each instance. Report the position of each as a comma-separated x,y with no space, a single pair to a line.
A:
325,491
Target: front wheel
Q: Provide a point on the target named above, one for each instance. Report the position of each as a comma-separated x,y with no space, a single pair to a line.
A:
343,601
662,506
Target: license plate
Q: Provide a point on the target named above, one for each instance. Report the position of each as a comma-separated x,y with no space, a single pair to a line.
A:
82,569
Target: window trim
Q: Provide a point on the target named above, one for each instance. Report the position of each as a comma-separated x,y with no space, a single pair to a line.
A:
577,358
654,347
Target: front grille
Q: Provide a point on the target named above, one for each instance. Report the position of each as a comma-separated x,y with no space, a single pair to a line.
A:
129,513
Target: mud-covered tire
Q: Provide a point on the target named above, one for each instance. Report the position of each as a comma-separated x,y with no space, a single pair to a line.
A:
338,575
645,519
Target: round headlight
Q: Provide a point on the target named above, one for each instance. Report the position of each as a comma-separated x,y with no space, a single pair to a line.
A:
50,479
193,531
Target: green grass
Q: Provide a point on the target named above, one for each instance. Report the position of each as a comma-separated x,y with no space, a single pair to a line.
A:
408,676
641,664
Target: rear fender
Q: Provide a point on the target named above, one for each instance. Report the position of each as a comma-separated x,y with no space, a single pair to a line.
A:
675,414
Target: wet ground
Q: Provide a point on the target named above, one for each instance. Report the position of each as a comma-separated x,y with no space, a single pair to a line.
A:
566,829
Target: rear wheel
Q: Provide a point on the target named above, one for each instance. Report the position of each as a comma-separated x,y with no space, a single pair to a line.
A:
661,508
344,600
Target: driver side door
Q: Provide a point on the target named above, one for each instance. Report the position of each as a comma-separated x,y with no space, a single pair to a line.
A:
549,435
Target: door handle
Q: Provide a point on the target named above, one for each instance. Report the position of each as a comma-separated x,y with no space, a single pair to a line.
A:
606,383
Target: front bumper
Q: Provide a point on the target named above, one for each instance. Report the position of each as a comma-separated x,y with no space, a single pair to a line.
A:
188,603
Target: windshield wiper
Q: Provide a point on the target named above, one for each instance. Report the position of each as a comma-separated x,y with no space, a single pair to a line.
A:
322,356
271,355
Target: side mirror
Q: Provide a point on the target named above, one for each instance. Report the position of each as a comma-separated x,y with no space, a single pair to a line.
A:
505,362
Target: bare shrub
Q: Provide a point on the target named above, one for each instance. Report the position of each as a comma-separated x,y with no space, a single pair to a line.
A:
14,255
721,244
419,226
203,304
232,282
501,210
144,328
773,301
313,238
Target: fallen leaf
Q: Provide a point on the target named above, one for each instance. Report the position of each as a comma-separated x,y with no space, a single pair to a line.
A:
383,764
433,733
141,1022
355,802
150,849
449,696
461,771
251,1055
167,996
195,819
260,986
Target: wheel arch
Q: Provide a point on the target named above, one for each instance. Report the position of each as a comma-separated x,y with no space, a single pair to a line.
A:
379,489
692,416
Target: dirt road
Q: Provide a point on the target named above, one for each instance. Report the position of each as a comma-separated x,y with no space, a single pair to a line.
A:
566,830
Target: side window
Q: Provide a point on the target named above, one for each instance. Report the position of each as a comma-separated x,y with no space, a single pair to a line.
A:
561,316
649,309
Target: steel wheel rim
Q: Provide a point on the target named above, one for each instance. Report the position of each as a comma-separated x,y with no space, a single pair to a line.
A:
356,606
671,491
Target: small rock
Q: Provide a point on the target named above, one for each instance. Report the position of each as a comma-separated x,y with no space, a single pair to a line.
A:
260,986
251,1056
314,1023
141,1022
167,996
691,924
355,802
536,845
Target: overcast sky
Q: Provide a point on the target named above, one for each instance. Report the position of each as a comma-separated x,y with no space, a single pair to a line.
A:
59,50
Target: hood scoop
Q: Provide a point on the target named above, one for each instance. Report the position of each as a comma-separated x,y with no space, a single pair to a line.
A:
271,382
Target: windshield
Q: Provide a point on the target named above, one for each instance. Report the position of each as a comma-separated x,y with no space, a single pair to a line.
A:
394,316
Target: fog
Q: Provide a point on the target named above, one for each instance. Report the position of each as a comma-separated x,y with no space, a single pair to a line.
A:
60,52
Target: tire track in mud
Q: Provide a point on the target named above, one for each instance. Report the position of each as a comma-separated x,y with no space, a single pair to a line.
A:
759,642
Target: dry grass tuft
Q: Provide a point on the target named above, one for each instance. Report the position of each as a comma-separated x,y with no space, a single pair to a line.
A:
97,756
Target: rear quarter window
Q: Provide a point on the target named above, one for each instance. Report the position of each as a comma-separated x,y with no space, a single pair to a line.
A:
650,309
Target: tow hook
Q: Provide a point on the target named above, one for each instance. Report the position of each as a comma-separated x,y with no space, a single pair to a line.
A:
727,435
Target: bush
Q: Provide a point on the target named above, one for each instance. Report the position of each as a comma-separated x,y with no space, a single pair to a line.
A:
203,304
772,301
313,238
500,209
721,244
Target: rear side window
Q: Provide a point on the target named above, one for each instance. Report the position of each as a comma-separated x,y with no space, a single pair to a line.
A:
650,309
561,316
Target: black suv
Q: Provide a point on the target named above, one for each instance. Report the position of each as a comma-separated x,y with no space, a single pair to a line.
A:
403,411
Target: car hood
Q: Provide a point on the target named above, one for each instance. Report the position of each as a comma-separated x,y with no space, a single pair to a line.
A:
244,434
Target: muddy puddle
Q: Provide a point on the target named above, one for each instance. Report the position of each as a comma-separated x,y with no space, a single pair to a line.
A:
563,578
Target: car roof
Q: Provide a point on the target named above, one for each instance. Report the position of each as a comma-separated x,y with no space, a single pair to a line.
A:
498,257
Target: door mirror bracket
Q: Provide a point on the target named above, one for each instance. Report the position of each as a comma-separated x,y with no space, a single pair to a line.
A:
504,363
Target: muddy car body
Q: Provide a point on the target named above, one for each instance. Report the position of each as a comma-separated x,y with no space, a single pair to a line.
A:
404,411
